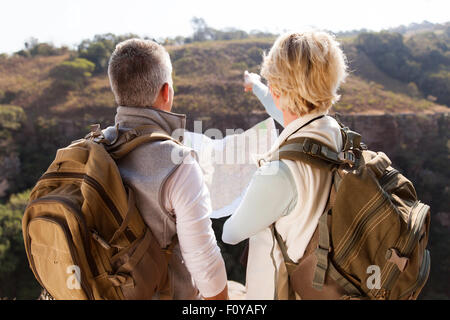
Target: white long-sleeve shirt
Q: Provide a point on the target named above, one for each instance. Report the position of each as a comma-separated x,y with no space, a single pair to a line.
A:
187,195
262,92
271,193
293,196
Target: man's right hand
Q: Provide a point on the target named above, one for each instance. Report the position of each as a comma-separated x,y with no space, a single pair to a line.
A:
249,80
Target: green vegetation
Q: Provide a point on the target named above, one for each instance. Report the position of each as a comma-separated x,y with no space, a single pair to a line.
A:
423,59
16,277
72,75
99,49
388,74
11,117
425,162
203,32
34,48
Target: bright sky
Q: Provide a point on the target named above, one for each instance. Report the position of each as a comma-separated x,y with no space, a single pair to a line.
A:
70,21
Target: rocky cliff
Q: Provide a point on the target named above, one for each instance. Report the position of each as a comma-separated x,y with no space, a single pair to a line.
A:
417,144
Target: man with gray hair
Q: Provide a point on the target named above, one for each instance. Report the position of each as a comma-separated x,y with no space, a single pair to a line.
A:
171,197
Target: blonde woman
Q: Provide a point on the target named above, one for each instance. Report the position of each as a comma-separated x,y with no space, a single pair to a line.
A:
304,71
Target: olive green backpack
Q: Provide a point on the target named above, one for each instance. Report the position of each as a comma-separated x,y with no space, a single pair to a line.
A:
370,243
84,237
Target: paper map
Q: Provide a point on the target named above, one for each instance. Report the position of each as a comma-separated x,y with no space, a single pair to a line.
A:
228,164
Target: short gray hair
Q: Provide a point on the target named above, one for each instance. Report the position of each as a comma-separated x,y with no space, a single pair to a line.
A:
137,70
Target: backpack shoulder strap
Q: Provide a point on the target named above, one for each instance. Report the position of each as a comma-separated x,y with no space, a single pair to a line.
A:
306,124
350,138
131,139
315,153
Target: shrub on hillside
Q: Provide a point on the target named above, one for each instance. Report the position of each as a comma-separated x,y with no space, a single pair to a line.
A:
16,278
99,49
11,117
98,53
423,59
72,75
34,48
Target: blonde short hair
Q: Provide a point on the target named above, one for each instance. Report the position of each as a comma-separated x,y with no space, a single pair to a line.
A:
305,69
137,70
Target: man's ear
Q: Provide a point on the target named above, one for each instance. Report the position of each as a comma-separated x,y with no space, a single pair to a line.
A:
165,94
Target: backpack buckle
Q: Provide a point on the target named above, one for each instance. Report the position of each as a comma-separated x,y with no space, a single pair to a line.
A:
322,251
311,148
130,134
96,133
393,256
347,157
315,149
121,279
307,146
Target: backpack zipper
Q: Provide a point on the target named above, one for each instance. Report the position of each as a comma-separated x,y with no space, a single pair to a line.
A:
72,249
100,190
81,222
356,235
387,266
360,227
384,180
409,244
424,272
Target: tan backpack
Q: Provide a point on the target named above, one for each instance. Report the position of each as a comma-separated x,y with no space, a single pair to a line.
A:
371,240
84,237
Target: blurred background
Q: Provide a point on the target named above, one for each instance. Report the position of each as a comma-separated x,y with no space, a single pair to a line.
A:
53,85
